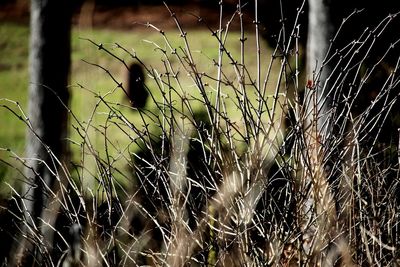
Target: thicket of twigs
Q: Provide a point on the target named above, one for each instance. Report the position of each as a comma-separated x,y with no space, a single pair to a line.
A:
192,186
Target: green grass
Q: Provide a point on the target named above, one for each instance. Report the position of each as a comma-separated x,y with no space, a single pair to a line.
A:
13,86
87,82
13,81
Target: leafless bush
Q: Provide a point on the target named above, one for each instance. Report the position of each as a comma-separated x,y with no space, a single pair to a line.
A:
202,188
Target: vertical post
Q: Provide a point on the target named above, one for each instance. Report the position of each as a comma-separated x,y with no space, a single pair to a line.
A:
320,30
49,67
319,206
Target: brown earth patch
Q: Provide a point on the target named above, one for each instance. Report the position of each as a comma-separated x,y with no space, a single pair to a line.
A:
130,17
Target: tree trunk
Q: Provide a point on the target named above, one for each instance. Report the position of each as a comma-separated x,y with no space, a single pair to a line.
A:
49,69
